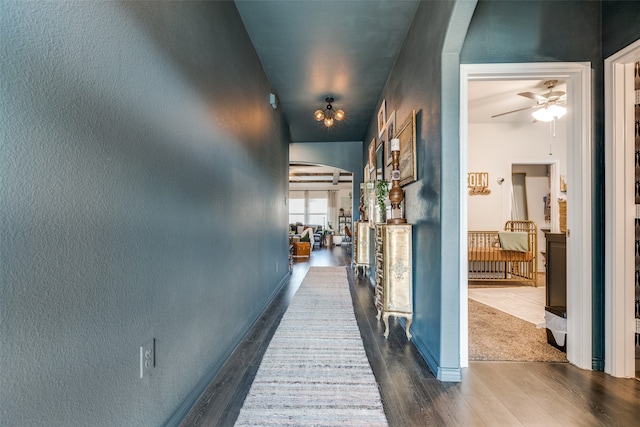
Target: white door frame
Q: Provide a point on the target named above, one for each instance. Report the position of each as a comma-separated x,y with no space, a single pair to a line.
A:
619,264
579,294
554,191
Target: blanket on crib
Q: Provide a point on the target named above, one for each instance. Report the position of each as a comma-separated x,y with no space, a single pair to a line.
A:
517,241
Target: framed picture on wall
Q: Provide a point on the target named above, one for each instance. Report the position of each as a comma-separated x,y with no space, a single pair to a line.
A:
372,157
407,135
379,160
382,117
390,128
380,156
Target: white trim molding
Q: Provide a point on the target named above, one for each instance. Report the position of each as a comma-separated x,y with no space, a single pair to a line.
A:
579,239
619,264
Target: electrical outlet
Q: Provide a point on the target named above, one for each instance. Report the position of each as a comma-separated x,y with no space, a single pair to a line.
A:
147,357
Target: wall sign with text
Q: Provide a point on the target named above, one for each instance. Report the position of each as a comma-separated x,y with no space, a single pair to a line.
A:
478,183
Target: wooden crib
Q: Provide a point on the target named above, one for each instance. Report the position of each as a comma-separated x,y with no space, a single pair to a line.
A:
489,262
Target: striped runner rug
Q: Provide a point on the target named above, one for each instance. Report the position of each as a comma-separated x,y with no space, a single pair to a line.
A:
315,371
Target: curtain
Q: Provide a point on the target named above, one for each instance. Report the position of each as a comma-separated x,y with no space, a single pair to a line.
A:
332,198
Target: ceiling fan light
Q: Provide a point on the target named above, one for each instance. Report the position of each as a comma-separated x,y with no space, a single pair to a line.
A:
319,115
339,115
557,110
549,113
542,115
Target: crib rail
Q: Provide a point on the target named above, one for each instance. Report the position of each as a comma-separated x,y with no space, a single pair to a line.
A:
488,262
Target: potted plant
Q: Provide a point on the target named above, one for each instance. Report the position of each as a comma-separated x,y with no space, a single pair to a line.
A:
328,231
382,193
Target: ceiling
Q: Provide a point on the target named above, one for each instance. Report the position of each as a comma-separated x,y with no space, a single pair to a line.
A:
318,177
487,98
311,49
317,48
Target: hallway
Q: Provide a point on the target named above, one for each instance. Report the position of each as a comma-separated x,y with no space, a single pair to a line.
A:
491,393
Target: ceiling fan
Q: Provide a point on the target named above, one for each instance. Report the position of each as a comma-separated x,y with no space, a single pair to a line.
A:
549,105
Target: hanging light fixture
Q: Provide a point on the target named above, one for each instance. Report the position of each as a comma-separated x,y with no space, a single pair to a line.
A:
328,115
549,112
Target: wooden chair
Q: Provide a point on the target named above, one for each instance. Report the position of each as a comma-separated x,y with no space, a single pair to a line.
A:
347,231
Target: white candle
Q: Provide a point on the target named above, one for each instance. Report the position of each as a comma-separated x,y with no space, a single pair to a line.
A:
395,144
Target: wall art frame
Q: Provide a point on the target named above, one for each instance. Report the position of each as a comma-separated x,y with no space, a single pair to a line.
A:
390,128
382,117
372,157
380,161
407,135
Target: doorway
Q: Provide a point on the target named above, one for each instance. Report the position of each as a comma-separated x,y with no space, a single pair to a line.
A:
320,195
519,198
519,171
622,303
577,77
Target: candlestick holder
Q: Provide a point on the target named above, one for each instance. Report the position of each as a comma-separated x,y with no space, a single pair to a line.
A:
396,195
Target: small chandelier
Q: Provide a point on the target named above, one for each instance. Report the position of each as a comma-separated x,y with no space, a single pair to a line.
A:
328,115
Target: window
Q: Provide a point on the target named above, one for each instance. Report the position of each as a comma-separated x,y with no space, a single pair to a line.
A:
296,207
308,207
318,208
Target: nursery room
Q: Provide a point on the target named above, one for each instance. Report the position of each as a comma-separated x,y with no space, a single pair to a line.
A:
516,202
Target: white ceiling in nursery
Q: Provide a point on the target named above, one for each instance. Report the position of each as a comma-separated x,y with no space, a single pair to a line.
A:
487,98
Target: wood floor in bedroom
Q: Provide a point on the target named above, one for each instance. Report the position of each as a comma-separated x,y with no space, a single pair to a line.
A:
491,393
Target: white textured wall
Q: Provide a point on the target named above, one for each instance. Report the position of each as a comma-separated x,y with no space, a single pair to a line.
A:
493,148
135,203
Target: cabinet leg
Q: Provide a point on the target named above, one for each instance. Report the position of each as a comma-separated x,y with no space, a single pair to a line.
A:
385,317
407,326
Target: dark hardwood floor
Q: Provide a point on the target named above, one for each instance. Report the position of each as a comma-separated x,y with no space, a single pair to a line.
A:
491,393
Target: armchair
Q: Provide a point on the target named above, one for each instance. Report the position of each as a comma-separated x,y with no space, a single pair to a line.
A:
314,233
318,237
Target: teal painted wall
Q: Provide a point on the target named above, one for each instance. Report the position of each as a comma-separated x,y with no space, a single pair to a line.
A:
415,83
143,177
619,25
519,31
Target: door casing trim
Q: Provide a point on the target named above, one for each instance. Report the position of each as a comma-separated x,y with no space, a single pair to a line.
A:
579,207
619,236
